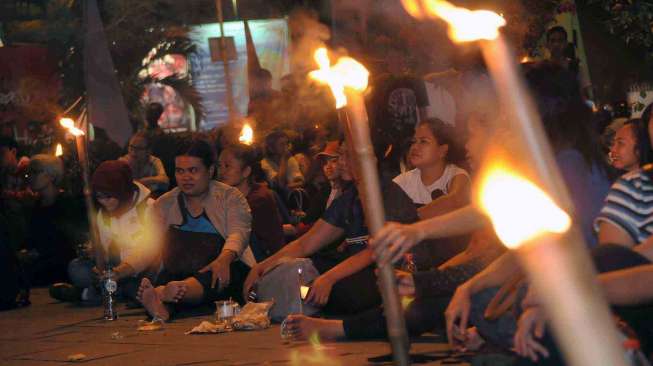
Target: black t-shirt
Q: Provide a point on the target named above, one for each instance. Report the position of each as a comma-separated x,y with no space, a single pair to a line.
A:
395,102
346,212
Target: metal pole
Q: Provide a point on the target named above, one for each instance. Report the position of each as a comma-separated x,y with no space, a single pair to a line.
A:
225,63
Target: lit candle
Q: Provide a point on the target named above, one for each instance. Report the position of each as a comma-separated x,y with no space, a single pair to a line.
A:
348,80
523,214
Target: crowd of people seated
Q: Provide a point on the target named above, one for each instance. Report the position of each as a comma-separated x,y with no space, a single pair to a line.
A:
211,218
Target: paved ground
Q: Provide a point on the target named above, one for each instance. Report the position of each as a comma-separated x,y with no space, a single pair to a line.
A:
48,332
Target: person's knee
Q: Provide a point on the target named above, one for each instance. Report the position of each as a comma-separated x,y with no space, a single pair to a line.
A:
81,273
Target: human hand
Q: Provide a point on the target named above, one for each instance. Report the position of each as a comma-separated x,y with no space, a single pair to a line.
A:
457,315
219,271
254,274
530,327
393,240
320,290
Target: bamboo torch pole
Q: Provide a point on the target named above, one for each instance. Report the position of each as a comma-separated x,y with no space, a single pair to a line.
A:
231,108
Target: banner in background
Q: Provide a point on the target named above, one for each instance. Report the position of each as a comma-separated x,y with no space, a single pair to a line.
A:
271,39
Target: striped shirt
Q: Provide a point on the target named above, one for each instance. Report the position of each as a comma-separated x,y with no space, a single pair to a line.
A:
629,206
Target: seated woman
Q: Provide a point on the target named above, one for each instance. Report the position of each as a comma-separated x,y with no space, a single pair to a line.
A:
146,168
346,284
281,169
438,183
239,166
205,255
124,232
57,224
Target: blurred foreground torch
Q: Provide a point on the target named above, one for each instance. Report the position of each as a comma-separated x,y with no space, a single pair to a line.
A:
522,198
348,80
246,135
82,156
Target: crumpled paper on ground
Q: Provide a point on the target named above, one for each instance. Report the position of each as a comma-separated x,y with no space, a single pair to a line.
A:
253,316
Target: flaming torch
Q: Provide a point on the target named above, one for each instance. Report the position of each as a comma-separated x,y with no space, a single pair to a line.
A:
347,80
58,151
246,135
82,156
523,199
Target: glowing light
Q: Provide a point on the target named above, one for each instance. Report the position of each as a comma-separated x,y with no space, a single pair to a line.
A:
518,209
525,59
68,124
346,73
246,135
303,291
58,150
464,25
406,301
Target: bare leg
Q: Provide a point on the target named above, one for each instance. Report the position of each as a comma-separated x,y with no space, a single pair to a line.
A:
301,327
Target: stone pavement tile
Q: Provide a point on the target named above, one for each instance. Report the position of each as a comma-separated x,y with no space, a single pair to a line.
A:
33,363
12,348
92,351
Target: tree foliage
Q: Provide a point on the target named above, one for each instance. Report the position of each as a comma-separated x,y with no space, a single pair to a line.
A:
631,20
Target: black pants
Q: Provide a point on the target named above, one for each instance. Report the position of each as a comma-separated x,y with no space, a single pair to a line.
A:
422,315
351,295
608,258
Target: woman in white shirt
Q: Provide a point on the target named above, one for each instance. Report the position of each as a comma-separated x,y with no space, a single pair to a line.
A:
438,183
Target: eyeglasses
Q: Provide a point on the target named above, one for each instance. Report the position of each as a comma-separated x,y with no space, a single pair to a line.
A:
137,148
103,196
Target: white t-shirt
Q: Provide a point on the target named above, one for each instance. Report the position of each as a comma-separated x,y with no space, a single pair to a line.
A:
441,104
411,183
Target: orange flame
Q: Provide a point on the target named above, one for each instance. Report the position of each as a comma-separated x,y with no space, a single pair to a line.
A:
346,73
246,135
58,151
518,209
464,25
68,124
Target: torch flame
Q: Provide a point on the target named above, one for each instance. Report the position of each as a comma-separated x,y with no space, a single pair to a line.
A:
58,151
68,124
346,73
518,209
464,25
246,135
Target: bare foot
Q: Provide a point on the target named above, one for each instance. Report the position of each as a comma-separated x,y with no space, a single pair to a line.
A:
473,340
301,327
173,291
151,300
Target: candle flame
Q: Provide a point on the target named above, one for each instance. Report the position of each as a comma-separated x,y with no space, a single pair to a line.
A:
464,25
246,135
346,73
518,209
69,124
58,150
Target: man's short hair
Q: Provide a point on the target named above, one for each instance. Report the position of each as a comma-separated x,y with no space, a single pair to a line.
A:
48,164
8,142
556,29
